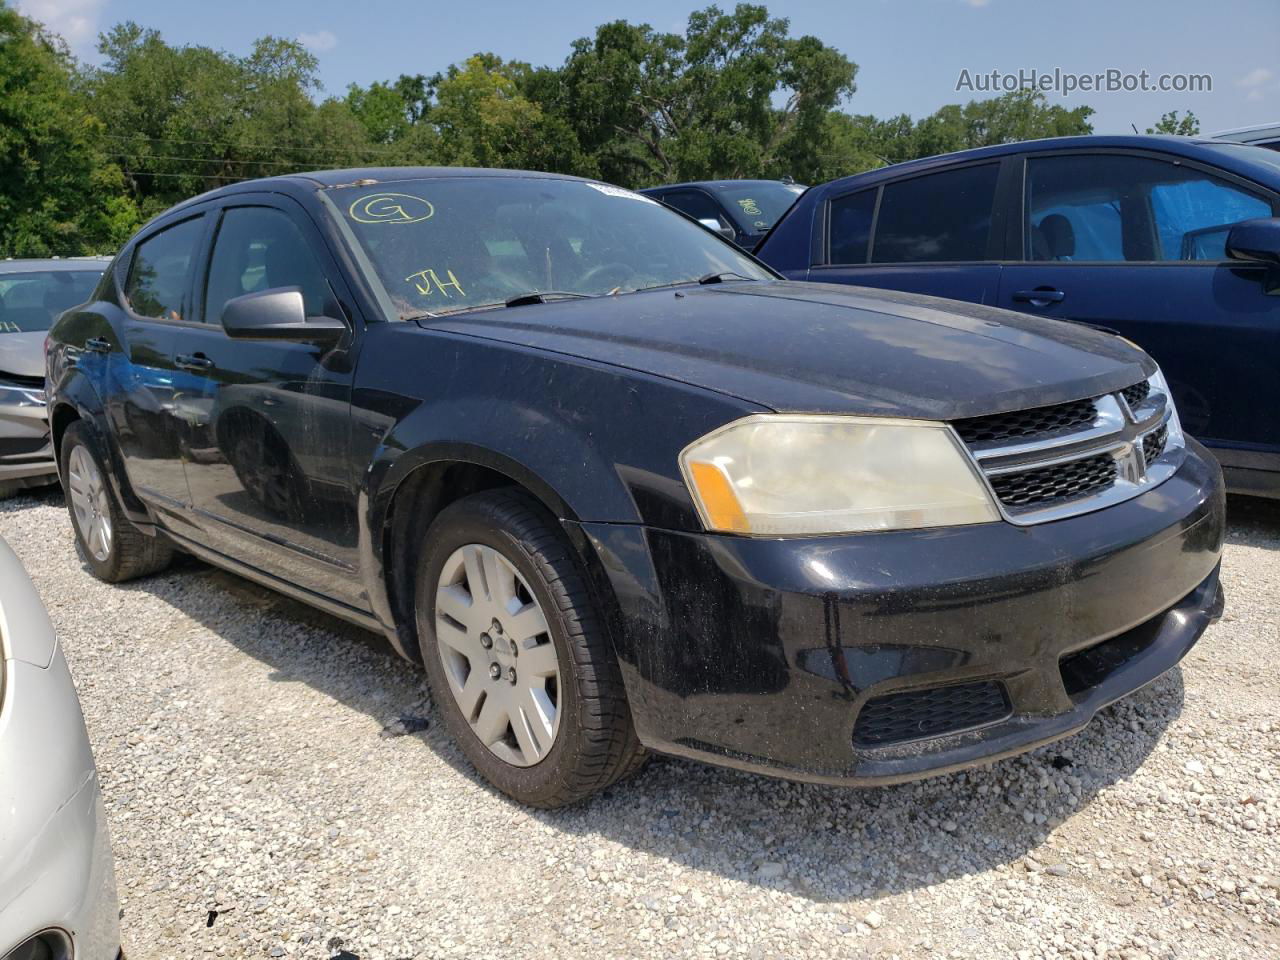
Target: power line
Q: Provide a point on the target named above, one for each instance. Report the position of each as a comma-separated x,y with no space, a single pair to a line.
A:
220,143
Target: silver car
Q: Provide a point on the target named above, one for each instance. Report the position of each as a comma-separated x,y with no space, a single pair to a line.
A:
57,881
32,295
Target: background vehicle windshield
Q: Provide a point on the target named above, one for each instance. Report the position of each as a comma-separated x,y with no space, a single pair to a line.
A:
758,206
456,243
32,301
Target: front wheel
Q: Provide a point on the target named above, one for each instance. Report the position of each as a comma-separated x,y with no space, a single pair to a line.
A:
517,658
114,548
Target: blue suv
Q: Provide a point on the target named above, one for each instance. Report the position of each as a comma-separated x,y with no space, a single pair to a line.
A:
1171,242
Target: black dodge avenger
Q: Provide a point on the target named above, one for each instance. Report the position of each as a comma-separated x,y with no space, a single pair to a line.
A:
621,489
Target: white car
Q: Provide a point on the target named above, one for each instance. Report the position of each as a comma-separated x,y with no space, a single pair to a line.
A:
33,293
57,879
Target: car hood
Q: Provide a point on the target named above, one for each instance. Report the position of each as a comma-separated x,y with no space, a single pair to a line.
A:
22,354
813,347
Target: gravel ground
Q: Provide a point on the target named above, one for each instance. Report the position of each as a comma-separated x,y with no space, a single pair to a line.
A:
277,785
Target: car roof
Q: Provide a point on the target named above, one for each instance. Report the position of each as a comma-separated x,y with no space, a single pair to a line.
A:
44,265
1193,148
715,184
1261,131
313,180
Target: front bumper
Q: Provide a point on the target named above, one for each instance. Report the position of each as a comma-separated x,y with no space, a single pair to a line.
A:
26,452
777,655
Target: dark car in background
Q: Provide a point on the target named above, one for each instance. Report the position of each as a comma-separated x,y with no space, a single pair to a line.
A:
741,210
1263,135
32,294
1169,241
619,487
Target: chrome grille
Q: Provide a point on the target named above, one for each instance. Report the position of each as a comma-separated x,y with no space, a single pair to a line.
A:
1053,484
1026,423
1050,462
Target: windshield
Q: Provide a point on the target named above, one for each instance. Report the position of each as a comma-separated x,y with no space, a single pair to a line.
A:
456,243
30,302
758,206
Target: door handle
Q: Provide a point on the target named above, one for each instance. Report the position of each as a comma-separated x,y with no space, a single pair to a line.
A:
98,345
195,361
1040,296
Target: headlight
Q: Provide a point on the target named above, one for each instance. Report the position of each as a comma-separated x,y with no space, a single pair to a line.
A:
1175,437
792,475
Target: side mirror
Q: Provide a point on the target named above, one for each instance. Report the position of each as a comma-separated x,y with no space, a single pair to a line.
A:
1255,240
717,227
278,314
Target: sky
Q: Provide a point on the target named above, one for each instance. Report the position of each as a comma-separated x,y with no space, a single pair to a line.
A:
911,54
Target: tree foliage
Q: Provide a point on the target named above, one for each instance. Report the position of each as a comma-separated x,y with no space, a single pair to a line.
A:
90,152
1187,125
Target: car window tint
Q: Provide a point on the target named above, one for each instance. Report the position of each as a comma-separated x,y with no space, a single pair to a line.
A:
157,283
697,205
1139,209
940,217
261,248
851,226
30,302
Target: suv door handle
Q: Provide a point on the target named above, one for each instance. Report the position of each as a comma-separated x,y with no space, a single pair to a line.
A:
98,345
1040,296
195,361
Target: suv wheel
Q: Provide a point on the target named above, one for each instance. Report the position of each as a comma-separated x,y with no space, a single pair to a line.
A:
114,548
517,658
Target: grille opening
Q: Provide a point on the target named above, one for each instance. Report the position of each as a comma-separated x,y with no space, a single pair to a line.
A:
1085,669
1136,395
1153,444
1026,423
918,714
1056,483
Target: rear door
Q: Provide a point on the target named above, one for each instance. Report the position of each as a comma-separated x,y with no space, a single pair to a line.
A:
1134,242
143,386
940,233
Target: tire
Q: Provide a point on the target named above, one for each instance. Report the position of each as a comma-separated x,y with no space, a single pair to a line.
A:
592,743
117,551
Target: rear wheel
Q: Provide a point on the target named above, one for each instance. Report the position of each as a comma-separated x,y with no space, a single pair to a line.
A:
517,657
114,548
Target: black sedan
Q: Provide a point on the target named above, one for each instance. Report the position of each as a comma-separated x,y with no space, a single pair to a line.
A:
619,488
739,210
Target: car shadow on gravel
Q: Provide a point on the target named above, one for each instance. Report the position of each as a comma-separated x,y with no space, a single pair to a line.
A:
826,844
1254,522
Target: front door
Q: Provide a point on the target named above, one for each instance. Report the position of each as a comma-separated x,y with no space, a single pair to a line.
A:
267,456
1135,244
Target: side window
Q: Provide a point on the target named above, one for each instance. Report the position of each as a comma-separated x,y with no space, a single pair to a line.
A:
1137,209
261,248
697,205
851,226
157,282
938,217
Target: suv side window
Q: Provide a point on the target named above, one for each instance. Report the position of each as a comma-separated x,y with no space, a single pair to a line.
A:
156,286
939,217
1116,208
697,205
851,226
261,248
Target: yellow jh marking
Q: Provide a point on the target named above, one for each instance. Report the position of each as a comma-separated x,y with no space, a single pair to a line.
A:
428,281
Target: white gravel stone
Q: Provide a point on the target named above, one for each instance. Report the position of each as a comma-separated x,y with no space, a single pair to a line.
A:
277,784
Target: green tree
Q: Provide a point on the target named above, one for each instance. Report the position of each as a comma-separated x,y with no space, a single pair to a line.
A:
1184,126
58,194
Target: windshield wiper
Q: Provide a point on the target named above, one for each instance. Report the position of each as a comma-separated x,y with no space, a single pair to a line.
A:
721,277
545,296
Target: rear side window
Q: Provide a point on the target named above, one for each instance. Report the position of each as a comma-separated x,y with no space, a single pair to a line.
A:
851,226
1116,208
161,269
939,217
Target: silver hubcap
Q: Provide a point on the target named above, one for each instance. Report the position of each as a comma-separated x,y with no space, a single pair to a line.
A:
498,654
89,501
